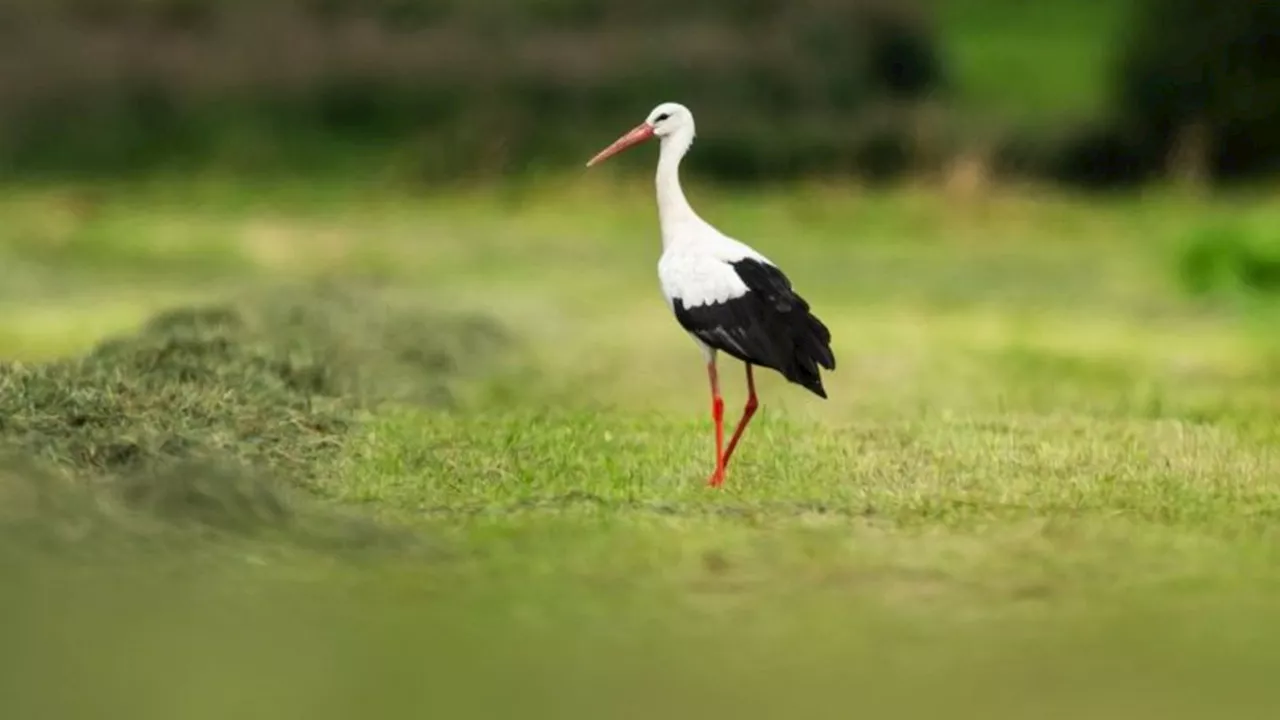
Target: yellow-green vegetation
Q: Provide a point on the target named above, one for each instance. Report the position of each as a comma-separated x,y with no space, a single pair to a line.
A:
443,453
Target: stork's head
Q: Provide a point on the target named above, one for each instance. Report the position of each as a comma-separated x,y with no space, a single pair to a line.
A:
664,121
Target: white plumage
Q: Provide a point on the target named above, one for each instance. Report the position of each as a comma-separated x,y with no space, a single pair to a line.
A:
699,278
726,295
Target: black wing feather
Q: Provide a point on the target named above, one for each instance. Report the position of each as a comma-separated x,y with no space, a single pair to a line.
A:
770,326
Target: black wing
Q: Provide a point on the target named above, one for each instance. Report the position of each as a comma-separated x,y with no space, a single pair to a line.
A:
770,325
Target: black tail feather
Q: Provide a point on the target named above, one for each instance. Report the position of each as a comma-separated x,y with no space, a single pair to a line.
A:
770,325
811,349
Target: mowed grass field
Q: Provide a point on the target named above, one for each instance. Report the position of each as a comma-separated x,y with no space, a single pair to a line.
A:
1045,484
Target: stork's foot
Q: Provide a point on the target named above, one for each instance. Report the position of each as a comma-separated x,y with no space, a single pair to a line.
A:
717,478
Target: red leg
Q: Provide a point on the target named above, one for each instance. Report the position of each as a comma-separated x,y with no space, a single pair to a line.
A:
717,413
747,412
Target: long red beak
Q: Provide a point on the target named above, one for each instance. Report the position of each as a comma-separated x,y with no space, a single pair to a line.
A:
639,134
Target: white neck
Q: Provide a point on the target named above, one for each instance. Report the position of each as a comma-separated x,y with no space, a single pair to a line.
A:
676,217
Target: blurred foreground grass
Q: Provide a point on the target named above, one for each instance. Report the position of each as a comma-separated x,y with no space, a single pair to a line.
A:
1046,482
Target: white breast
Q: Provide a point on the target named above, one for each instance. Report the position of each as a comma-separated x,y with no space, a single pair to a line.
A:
701,274
698,279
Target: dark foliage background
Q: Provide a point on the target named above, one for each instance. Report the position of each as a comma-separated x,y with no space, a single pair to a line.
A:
447,88
453,89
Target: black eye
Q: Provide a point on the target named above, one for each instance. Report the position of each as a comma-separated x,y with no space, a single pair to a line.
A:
662,117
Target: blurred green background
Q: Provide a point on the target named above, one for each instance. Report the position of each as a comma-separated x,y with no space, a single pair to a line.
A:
1095,93
332,385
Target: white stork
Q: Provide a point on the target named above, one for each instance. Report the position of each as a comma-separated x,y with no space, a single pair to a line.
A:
724,294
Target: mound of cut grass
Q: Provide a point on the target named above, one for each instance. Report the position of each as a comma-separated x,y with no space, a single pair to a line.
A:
201,414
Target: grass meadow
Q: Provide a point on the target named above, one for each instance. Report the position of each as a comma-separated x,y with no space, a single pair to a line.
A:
1045,484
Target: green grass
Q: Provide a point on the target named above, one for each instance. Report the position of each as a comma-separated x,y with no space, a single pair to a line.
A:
1045,483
